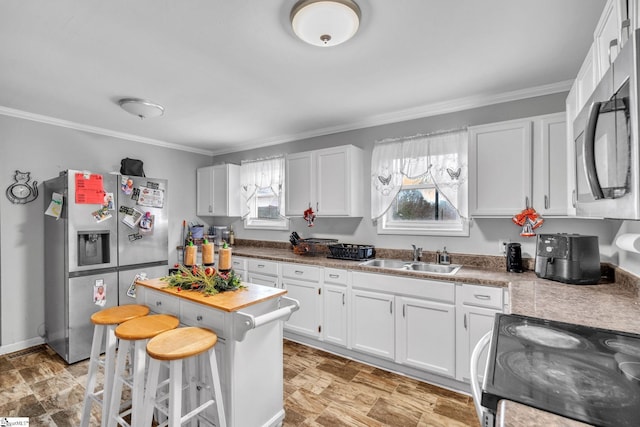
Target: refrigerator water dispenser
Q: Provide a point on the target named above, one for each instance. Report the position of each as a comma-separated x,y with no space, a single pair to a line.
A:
93,247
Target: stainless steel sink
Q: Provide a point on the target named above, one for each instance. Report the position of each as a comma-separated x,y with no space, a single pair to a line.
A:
434,268
386,263
417,266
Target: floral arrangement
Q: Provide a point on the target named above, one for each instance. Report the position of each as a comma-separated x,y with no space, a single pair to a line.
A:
206,280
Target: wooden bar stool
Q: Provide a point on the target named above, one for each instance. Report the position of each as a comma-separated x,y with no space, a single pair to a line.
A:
173,347
105,321
136,331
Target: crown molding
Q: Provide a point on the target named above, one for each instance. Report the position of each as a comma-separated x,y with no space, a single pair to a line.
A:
6,111
420,112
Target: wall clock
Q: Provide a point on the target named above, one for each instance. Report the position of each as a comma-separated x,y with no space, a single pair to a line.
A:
21,192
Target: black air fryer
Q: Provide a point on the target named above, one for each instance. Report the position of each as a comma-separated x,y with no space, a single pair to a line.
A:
568,258
514,258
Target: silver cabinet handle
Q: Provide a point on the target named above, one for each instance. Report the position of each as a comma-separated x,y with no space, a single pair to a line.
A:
404,310
343,299
298,272
625,28
573,198
158,303
199,318
482,297
317,206
526,202
260,265
546,201
391,307
334,276
465,320
612,43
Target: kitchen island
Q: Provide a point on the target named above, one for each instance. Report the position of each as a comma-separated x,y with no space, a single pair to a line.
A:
249,348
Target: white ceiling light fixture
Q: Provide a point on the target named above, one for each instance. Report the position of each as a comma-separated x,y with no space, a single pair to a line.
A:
141,107
325,22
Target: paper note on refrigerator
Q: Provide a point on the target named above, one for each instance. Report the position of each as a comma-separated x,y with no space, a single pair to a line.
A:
89,189
151,197
55,206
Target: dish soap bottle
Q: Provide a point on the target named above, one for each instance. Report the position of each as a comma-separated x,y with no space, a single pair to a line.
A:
444,257
232,236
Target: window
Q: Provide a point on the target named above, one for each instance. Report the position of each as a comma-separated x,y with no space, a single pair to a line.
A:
419,185
262,188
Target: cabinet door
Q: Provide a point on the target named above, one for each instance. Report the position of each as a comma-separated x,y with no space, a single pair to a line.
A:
226,190
586,79
425,335
500,168
299,176
204,191
372,323
550,183
334,329
333,183
607,34
262,279
473,323
306,320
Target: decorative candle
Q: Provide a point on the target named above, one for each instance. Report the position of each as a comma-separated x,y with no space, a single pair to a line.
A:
190,254
207,253
224,258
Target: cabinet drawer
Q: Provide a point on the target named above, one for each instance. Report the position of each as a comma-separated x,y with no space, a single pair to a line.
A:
334,275
299,271
238,264
161,303
263,267
193,314
482,296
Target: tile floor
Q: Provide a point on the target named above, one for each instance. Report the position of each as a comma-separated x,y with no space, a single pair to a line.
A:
320,389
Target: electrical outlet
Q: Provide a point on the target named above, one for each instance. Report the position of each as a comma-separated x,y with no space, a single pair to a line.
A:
502,246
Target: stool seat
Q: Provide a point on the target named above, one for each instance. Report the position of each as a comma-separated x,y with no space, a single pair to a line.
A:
119,314
181,343
142,328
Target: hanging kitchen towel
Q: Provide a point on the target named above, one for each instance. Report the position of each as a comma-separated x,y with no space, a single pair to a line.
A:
132,167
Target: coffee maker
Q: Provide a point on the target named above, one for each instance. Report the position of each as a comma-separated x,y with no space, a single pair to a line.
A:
514,258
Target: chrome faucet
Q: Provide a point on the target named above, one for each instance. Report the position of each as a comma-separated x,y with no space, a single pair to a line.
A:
417,253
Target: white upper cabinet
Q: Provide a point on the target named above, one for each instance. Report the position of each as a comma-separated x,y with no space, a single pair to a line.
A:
550,171
328,180
519,163
218,190
609,34
500,168
586,80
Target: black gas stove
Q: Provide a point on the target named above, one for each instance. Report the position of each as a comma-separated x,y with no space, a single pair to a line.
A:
588,374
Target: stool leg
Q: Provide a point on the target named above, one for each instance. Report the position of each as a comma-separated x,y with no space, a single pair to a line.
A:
118,380
150,391
217,388
137,394
175,392
96,345
191,378
109,359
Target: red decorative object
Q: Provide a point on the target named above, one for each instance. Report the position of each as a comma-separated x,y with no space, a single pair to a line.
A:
310,216
529,220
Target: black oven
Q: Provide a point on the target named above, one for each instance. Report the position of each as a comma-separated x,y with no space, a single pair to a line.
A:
587,374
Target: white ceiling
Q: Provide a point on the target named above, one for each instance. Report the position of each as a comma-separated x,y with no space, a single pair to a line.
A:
232,75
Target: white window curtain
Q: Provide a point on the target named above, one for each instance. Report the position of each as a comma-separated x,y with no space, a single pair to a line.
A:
441,156
263,175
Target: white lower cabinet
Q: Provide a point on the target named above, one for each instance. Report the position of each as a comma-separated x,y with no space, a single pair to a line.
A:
303,284
477,308
335,307
425,335
372,323
263,272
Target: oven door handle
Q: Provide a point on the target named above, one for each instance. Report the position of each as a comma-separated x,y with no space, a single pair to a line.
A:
475,385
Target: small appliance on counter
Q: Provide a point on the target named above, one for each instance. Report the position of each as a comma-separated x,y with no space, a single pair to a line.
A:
514,258
568,258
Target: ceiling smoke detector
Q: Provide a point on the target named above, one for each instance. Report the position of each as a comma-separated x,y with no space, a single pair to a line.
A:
325,22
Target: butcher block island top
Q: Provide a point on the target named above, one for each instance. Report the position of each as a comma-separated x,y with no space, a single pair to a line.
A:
229,301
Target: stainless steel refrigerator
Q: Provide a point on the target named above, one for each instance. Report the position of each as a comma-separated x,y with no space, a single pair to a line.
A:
110,228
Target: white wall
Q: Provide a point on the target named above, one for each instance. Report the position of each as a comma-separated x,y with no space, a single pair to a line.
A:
45,150
484,233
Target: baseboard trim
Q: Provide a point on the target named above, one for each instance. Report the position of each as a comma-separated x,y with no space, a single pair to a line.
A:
12,348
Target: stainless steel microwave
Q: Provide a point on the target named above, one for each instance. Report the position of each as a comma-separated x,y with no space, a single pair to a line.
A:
607,156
